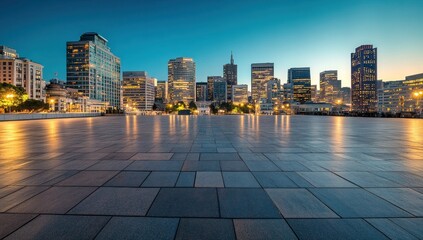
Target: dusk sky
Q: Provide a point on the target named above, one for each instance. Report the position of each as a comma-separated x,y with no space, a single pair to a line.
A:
319,34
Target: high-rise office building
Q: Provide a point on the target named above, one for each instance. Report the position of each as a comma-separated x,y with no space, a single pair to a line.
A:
261,73
22,72
138,90
93,69
364,79
274,92
201,91
210,86
346,95
162,91
240,94
330,86
313,93
181,80
220,90
230,74
300,80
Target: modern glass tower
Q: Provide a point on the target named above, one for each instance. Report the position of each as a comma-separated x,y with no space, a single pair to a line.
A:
364,79
230,74
261,73
181,80
330,86
138,90
220,90
201,91
93,69
299,79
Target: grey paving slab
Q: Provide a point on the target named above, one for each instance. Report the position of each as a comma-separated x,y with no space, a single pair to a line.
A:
350,202
55,200
139,228
186,179
191,228
233,166
253,157
367,179
390,229
201,166
161,179
263,229
19,196
185,202
127,179
240,179
12,177
349,229
110,165
8,190
115,155
274,180
246,203
152,156
117,201
325,179
10,222
219,157
50,177
291,166
155,166
297,179
61,227
261,165
405,198
88,178
406,179
411,225
209,179
299,203
76,165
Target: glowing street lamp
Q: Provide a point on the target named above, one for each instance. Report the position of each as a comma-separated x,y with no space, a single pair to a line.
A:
52,104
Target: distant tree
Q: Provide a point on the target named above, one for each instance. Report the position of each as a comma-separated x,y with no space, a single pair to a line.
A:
154,107
213,108
192,106
32,105
11,95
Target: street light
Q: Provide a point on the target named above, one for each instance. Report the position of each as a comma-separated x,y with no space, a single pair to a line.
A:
52,103
418,95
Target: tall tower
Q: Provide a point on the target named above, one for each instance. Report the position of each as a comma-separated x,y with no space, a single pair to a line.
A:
364,79
261,73
300,80
181,80
230,74
93,69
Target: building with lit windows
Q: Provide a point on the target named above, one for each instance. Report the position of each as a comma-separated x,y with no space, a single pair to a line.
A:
181,80
138,91
330,86
240,94
346,95
94,70
210,86
220,90
274,92
364,79
201,91
230,74
162,91
261,73
300,81
22,72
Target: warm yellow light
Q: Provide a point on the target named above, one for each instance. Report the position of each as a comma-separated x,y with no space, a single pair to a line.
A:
283,106
52,101
416,94
9,96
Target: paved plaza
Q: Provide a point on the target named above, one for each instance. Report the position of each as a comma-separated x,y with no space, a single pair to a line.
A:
212,177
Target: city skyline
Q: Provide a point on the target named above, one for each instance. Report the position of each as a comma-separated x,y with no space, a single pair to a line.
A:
288,34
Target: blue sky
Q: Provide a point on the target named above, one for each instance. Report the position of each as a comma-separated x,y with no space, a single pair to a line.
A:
319,34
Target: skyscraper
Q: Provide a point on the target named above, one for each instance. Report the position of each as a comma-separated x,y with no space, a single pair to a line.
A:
210,86
201,91
240,94
93,69
261,73
329,86
274,93
220,90
230,74
299,78
181,80
364,79
138,90
162,91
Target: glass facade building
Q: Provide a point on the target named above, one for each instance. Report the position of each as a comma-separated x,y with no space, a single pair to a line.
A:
201,91
138,91
330,86
364,79
162,91
220,90
240,94
210,86
230,74
261,73
94,70
300,80
181,80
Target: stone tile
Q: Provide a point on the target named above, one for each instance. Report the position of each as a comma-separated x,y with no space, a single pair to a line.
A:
325,179
117,201
88,178
390,229
405,198
240,180
261,166
191,228
19,196
246,203
127,179
10,222
226,150
55,200
284,156
118,156
155,166
366,179
411,225
219,157
253,157
263,229
406,179
161,179
209,179
201,166
348,229
49,178
110,165
351,202
297,179
186,179
291,166
61,227
8,190
233,166
139,228
152,156
274,180
299,203
185,202
76,165
193,157
12,177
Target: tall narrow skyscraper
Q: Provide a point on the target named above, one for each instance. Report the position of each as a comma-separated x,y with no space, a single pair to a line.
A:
181,80
299,79
93,69
230,74
330,86
261,73
364,79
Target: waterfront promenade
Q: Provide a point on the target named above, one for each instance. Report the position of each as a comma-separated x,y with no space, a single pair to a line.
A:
212,177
